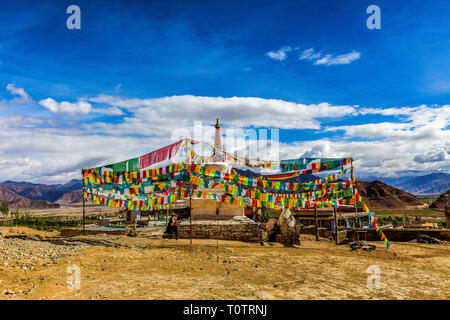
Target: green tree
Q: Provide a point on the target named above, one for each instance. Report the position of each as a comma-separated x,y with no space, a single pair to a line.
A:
4,209
16,215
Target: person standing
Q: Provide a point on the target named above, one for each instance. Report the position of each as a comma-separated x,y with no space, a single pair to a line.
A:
258,216
173,226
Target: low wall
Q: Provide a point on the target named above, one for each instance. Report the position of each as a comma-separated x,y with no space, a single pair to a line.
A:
312,230
206,209
239,232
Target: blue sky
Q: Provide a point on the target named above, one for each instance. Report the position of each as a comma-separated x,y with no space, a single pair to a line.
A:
186,50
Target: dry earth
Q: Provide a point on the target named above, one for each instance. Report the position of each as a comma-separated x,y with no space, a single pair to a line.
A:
120,267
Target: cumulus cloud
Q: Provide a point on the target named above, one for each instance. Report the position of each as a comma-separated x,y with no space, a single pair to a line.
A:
237,112
280,54
23,96
433,156
113,111
346,58
47,148
415,124
79,107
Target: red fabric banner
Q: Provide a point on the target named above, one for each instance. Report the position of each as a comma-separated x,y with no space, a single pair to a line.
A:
159,155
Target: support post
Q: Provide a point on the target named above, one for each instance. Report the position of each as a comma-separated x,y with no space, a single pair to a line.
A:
316,222
84,211
217,225
335,224
188,163
190,219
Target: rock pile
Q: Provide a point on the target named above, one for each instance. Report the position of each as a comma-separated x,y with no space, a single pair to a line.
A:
423,238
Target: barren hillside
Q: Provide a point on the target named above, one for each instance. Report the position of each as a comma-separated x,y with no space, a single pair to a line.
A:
381,196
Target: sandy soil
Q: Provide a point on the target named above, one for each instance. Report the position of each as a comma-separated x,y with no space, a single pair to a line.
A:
73,211
120,267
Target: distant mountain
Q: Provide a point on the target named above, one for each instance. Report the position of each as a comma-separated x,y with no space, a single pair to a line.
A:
73,184
74,196
37,191
416,183
393,181
8,195
433,183
25,203
442,201
27,195
381,196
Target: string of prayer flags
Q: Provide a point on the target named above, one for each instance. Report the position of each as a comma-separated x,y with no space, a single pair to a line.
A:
373,221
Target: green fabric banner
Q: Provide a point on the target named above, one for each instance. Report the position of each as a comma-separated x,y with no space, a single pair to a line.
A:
124,166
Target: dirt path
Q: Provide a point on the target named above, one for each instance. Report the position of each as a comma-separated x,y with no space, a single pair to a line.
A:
120,267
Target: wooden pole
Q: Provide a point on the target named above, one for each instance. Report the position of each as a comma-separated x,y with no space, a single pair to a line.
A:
84,211
188,162
316,222
335,224
190,219
217,225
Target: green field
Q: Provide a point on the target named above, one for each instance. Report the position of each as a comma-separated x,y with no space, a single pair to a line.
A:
419,212
428,199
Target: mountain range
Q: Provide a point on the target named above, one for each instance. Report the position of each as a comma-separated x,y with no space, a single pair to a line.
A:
429,184
27,195
35,191
442,201
381,193
381,196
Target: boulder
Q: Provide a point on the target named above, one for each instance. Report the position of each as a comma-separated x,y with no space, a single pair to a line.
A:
288,233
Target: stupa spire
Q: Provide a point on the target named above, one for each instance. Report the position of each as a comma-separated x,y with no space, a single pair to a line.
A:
218,155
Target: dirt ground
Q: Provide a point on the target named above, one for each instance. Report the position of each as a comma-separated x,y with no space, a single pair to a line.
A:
34,265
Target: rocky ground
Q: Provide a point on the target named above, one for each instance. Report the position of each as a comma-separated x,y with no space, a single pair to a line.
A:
36,265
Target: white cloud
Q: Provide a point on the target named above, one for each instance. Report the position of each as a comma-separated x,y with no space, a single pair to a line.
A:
317,57
51,151
74,108
280,54
113,111
309,54
237,112
346,58
416,123
23,96
77,108
433,156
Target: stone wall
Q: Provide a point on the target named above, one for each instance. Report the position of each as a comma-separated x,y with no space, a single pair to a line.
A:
206,209
312,230
240,232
